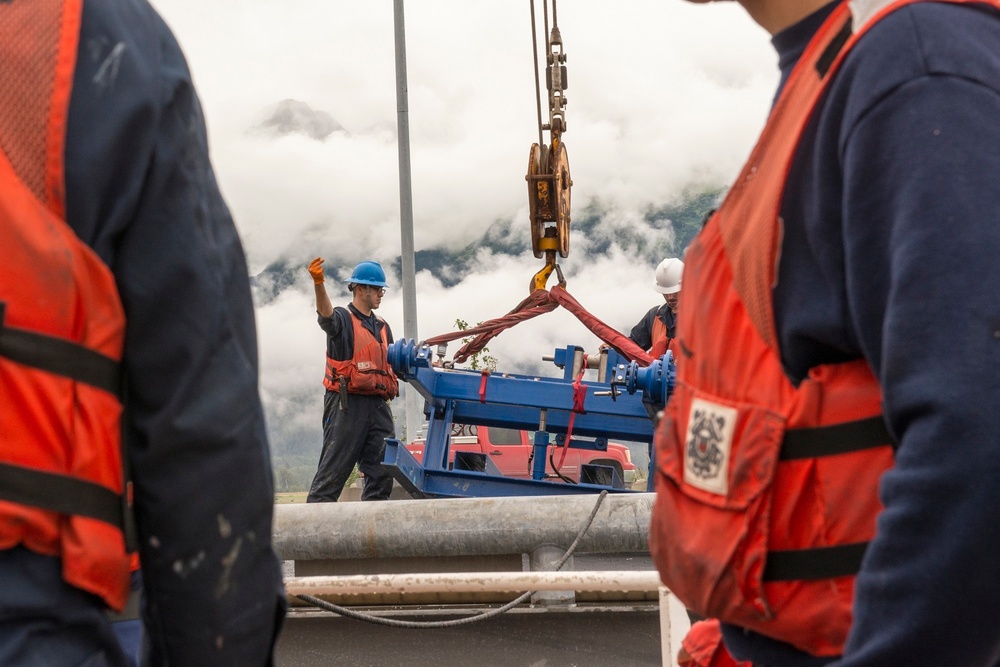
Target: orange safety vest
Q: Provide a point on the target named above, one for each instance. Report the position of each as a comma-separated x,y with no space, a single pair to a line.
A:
367,372
61,324
705,648
766,491
661,341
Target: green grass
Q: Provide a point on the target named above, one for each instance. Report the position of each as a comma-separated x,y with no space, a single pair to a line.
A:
295,497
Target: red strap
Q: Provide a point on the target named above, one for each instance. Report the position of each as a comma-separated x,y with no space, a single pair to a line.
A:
537,303
620,342
580,390
482,386
579,395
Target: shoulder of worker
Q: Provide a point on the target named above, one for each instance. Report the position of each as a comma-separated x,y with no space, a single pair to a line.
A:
342,311
130,73
650,317
922,40
339,318
334,321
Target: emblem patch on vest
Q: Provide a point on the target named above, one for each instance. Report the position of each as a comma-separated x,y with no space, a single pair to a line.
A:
365,365
707,445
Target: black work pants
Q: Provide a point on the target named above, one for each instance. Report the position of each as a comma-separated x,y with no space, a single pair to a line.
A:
356,436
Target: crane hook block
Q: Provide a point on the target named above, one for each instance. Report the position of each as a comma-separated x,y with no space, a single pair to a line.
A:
549,186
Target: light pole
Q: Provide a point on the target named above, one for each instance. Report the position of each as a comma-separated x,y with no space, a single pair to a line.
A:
413,402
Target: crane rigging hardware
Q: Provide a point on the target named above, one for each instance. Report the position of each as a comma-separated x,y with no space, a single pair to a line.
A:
546,405
548,176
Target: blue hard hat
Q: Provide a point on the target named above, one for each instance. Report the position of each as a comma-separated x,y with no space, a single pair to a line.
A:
368,273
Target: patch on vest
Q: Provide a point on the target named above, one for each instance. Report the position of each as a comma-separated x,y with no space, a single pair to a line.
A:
365,365
708,442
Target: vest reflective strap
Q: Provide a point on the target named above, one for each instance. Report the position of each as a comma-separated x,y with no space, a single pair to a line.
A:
833,49
59,356
819,563
810,443
60,493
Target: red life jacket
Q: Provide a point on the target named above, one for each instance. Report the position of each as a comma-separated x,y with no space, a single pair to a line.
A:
61,324
367,372
661,341
766,491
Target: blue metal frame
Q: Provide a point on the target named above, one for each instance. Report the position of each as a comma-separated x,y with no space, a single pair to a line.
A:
612,409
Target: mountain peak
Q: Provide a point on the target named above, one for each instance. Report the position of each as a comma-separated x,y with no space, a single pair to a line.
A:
294,116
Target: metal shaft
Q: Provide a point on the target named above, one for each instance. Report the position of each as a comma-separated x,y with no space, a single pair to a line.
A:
475,582
460,527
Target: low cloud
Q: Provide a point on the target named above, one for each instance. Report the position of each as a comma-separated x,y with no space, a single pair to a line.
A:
663,96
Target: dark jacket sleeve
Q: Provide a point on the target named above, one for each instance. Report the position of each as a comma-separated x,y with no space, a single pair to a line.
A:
339,331
922,291
141,191
642,332
333,325
889,254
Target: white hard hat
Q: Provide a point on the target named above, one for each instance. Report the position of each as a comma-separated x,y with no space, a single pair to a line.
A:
668,276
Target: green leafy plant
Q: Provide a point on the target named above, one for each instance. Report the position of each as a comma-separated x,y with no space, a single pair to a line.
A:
481,360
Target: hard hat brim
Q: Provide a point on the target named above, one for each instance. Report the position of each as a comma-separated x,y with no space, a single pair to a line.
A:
362,281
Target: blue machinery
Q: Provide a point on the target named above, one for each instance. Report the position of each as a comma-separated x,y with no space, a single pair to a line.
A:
612,407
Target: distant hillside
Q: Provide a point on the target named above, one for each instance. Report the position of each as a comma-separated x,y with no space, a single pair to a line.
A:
293,420
660,232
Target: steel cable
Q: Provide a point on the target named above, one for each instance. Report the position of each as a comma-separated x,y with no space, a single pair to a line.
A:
396,623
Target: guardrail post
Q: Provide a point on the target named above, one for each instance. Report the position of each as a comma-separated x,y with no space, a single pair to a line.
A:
544,559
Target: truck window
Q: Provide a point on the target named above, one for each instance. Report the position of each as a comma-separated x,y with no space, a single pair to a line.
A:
503,436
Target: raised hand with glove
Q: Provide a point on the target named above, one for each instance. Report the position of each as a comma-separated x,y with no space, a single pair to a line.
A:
323,304
316,270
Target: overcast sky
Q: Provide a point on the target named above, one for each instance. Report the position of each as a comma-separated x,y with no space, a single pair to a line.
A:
662,95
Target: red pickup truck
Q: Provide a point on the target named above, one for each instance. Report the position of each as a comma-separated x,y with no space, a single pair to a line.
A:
511,451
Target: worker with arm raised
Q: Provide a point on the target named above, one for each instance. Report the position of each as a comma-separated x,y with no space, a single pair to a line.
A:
359,385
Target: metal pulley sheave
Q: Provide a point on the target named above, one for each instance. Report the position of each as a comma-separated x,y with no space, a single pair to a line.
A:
548,174
549,186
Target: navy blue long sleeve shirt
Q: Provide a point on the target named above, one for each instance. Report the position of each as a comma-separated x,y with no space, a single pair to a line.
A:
141,192
642,332
891,238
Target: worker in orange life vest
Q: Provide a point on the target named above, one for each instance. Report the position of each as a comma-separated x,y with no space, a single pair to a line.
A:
359,385
827,465
656,331
126,336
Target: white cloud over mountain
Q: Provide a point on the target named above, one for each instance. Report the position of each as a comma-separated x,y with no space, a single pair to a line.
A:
663,96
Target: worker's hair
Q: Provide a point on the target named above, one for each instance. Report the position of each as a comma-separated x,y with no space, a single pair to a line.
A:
351,286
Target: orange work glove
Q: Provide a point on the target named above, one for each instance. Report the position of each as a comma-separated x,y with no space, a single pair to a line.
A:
316,271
